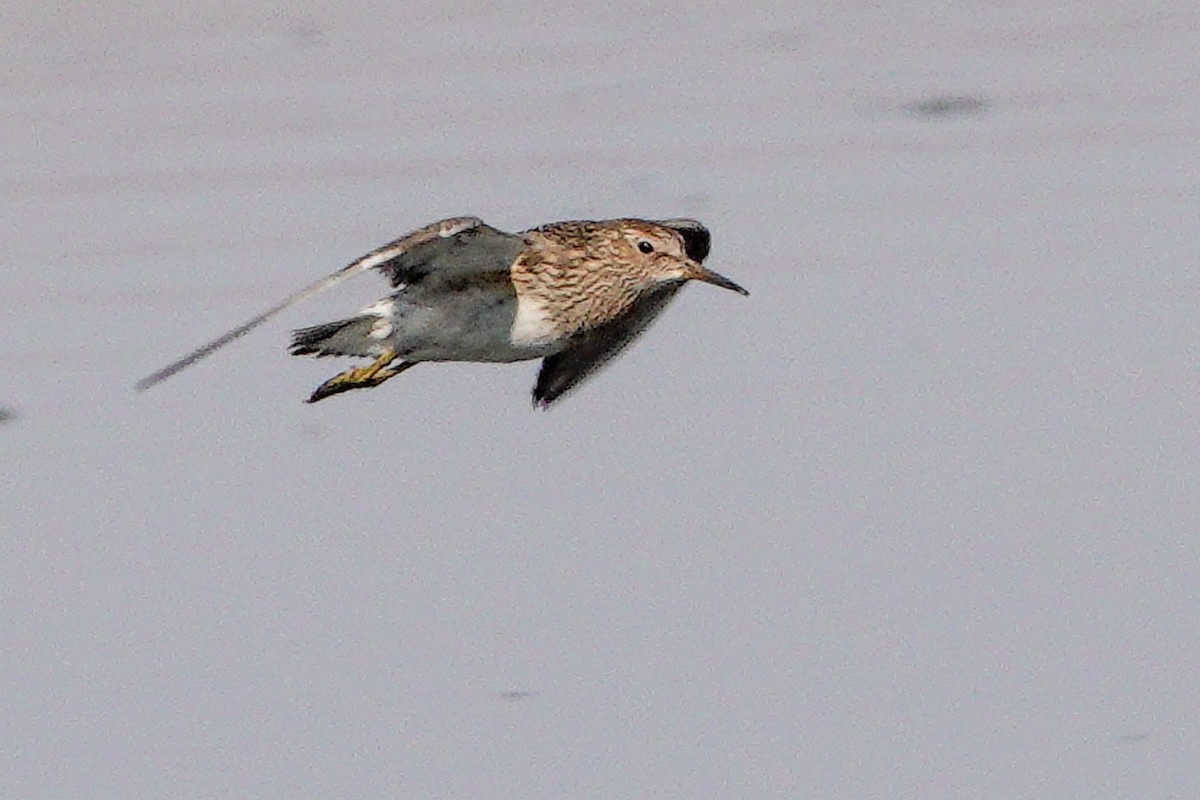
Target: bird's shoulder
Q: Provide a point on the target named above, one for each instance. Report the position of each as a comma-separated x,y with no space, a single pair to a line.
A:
570,229
455,249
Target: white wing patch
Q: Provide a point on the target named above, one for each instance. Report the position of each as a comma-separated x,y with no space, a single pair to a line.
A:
532,326
382,308
382,327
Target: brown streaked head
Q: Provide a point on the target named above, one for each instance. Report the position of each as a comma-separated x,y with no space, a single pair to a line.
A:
674,250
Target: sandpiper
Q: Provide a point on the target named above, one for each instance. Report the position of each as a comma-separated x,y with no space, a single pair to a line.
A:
572,293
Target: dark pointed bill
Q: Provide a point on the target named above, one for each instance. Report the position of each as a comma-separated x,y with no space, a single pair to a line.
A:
716,279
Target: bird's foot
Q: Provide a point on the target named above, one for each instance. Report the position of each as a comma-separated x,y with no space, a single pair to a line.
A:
366,377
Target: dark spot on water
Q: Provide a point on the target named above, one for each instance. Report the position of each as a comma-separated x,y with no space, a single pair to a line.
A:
515,695
950,105
7,414
306,34
1128,738
780,40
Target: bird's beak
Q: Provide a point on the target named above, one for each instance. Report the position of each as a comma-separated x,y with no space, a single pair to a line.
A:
700,273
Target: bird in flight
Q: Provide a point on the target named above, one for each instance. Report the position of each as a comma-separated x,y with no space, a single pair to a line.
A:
574,294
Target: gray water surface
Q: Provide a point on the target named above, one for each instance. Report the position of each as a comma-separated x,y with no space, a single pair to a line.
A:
917,519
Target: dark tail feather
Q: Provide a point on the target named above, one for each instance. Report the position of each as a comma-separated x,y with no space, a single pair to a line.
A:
317,339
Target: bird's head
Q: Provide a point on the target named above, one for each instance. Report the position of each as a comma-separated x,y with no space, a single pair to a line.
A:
672,250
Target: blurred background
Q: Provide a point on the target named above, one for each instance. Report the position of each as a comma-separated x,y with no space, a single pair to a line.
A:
916,519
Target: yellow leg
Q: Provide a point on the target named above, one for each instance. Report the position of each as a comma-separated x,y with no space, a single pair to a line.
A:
366,377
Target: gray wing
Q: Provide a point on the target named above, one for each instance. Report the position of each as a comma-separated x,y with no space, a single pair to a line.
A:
470,248
562,372
458,246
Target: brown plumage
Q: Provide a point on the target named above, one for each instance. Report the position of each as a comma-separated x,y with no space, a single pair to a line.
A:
573,293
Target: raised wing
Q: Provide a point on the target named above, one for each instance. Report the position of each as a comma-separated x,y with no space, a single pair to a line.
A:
452,247
697,241
562,372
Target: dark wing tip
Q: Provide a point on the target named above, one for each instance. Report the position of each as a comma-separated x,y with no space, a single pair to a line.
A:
548,387
697,241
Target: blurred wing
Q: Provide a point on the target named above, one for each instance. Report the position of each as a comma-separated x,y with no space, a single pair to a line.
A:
457,245
564,371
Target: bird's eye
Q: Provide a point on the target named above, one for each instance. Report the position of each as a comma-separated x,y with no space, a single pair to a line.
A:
645,247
